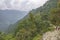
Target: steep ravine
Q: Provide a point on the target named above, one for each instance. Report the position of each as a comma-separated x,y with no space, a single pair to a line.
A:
52,35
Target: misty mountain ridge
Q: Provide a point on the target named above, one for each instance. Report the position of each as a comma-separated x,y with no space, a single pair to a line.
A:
8,17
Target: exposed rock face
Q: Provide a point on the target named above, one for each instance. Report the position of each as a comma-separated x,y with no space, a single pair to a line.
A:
54,35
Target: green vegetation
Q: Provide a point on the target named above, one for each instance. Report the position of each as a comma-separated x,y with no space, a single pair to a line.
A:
55,16
35,24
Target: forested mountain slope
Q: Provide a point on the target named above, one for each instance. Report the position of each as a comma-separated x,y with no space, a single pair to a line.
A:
46,7
43,10
37,22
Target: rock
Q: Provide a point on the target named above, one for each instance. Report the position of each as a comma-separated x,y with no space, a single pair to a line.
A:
54,35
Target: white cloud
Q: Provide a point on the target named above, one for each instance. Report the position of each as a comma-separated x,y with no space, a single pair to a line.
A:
21,4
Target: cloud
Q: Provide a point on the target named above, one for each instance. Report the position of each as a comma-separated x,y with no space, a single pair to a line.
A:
24,5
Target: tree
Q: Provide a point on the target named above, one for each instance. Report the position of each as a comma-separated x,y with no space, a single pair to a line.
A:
23,34
55,16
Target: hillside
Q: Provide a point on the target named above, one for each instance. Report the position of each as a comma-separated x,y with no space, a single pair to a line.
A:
37,24
46,7
43,11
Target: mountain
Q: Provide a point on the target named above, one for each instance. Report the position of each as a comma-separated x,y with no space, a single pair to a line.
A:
46,7
36,24
41,10
8,17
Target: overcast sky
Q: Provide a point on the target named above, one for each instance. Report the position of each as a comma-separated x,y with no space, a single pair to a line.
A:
23,5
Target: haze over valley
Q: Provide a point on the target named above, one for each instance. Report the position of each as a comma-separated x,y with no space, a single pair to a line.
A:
13,10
